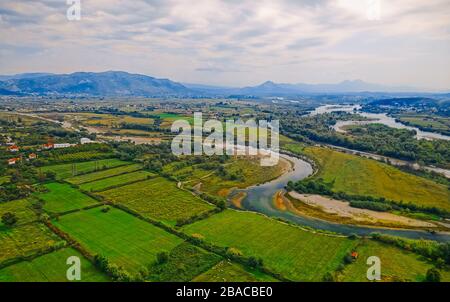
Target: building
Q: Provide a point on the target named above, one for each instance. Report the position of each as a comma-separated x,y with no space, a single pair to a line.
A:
61,146
13,148
48,146
85,140
13,161
32,156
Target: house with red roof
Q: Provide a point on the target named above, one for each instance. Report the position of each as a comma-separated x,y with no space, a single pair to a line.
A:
13,148
13,161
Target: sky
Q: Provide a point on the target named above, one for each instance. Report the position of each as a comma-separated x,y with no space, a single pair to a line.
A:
234,42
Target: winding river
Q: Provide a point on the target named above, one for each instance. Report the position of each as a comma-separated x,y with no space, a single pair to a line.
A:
260,199
379,118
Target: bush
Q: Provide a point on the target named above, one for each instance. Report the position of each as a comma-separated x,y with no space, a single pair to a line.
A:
106,209
162,257
433,275
9,219
233,252
329,277
371,205
348,259
255,262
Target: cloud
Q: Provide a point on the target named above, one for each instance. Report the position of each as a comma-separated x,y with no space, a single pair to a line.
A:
239,42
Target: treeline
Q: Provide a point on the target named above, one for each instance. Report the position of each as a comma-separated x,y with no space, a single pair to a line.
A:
151,128
313,186
435,251
20,181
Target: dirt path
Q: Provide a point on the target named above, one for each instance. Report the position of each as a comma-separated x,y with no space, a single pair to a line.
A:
343,209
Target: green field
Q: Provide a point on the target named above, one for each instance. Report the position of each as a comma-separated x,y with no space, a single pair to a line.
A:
296,254
80,156
185,262
396,264
159,199
62,198
66,170
122,238
427,122
81,179
21,208
360,176
25,240
226,271
50,268
107,183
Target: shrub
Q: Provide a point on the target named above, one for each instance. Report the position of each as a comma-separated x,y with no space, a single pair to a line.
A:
9,219
106,209
233,252
329,277
433,275
162,257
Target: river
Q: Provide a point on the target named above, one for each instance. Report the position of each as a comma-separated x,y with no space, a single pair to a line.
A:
379,118
260,199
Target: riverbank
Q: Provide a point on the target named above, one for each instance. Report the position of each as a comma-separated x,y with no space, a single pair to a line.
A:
340,211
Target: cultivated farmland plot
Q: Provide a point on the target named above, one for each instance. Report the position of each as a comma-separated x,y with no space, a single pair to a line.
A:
296,254
51,267
397,265
63,198
81,179
159,199
226,271
122,238
72,169
120,180
20,208
25,240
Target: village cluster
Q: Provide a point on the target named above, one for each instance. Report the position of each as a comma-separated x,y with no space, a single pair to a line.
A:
29,155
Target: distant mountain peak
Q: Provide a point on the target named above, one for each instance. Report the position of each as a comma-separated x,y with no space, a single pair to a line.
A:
108,83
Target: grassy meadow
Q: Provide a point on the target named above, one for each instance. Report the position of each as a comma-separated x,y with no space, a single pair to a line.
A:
184,263
396,264
296,254
119,236
25,240
226,271
62,198
21,208
51,267
356,175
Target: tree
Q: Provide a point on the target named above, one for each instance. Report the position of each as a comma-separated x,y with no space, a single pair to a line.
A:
328,277
9,219
433,275
162,257
255,262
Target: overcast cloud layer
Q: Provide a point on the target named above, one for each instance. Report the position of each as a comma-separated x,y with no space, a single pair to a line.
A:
234,42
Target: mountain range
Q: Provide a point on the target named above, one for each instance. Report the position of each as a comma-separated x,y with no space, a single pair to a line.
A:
123,84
